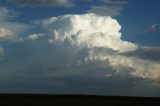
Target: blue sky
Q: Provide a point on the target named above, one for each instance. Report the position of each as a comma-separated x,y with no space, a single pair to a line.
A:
101,47
135,17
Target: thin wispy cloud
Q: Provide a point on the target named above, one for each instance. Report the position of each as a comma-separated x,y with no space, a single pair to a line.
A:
106,10
110,8
6,13
115,2
152,29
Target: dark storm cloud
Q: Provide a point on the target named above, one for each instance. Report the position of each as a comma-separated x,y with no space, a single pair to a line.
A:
86,79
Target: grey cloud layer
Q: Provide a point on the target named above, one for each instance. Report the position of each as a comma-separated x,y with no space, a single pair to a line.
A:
35,3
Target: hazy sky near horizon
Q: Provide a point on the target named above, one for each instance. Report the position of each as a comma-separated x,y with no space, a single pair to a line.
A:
102,47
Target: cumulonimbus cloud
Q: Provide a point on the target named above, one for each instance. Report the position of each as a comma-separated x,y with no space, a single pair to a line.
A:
90,31
79,48
98,38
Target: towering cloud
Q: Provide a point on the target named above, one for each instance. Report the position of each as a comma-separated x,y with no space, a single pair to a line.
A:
88,30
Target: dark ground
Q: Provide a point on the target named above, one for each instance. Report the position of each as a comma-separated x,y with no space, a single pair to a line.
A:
74,100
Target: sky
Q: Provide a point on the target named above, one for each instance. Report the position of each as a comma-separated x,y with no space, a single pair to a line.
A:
97,47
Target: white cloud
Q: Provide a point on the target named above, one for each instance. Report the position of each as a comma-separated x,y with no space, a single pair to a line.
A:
123,66
9,28
87,30
142,68
15,27
35,36
7,34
